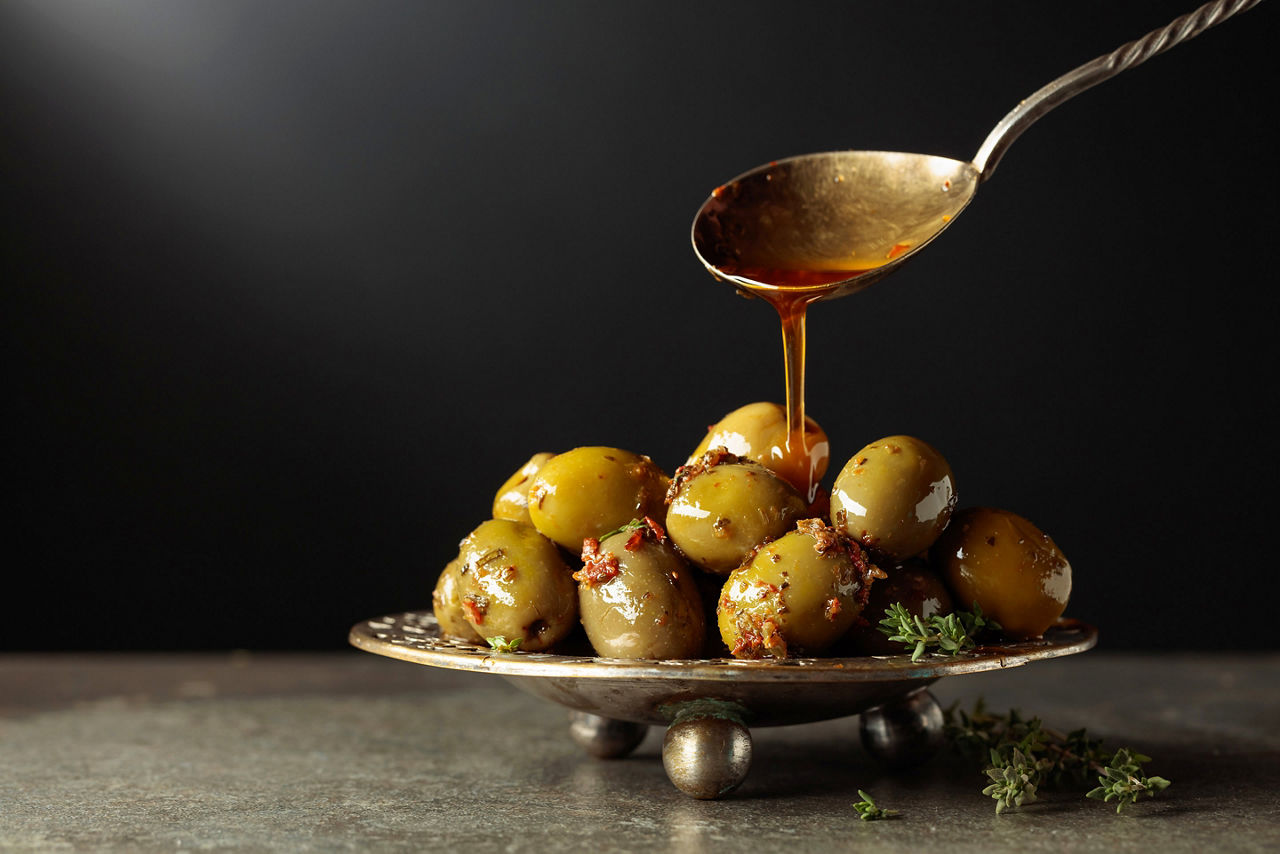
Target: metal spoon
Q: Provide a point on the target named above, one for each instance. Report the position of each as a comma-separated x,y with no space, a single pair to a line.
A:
826,225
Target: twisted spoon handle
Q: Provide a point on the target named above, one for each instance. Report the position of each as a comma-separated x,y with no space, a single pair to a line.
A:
1092,73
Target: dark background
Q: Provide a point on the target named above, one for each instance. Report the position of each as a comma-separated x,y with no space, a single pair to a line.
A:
291,287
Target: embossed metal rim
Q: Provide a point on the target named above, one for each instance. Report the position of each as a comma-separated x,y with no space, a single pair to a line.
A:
415,636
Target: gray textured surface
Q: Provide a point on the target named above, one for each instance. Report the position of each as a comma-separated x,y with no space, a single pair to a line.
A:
353,752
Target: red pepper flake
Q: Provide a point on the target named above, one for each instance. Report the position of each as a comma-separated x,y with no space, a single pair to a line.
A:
765,589
538,495
748,644
597,567
715,194
826,539
773,640
898,249
635,540
476,607
831,609
758,637
657,529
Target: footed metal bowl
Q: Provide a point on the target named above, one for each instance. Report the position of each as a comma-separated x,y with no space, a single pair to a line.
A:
708,705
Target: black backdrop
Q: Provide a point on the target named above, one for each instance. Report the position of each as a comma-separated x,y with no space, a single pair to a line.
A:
291,287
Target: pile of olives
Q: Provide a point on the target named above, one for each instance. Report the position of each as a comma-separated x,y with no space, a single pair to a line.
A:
727,557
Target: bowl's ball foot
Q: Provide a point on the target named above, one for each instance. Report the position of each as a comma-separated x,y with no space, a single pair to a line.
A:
605,738
904,732
707,756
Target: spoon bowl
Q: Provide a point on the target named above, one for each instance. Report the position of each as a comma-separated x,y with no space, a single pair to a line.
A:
830,223
825,225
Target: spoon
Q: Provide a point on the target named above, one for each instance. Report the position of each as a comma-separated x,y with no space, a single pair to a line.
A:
819,226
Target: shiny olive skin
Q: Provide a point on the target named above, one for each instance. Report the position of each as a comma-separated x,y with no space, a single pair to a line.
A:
514,584
917,587
650,609
591,491
1011,568
512,499
789,600
446,602
895,496
723,512
758,432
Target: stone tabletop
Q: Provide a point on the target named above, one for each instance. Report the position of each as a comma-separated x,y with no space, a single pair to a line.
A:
338,752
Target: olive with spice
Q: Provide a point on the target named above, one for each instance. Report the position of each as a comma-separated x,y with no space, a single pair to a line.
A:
514,584
721,506
512,499
758,432
1007,565
797,595
894,496
589,491
637,597
446,601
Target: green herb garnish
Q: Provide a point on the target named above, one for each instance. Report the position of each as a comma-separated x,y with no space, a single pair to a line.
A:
949,635
868,811
1023,756
1123,781
501,644
633,525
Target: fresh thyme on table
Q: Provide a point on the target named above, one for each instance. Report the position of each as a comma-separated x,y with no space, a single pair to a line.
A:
868,811
1024,756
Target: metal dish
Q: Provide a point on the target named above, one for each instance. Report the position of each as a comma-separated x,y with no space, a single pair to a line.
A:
708,705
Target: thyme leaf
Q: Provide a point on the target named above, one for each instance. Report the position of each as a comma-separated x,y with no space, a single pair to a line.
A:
501,644
868,811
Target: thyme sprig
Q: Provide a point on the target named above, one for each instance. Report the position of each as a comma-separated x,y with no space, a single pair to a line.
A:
1023,756
868,811
950,634
1014,779
1123,781
501,644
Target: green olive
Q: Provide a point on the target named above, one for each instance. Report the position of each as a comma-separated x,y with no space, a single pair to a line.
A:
447,605
894,496
1007,565
722,507
512,499
515,585
590,491
758,432
913,584
638,599
796,596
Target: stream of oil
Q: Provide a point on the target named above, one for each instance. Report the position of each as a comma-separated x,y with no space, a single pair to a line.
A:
791,292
